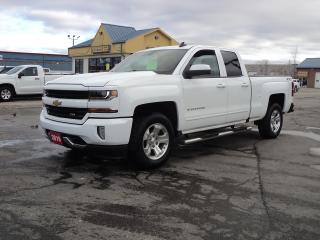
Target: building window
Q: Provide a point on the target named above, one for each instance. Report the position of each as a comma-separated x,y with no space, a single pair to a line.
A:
78,65
103,64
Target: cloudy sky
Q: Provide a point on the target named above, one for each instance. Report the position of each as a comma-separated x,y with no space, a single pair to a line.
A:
259,29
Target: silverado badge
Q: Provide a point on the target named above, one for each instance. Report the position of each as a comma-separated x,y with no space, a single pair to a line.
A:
57,103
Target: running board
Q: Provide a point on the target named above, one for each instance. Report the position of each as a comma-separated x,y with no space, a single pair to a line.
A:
216,135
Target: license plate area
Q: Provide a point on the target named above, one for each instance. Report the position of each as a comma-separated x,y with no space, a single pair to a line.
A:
55,137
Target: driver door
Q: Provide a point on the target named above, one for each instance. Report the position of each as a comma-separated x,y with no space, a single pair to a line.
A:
205,96
29,81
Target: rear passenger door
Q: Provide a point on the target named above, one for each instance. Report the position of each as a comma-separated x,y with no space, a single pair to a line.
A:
239,88
204,96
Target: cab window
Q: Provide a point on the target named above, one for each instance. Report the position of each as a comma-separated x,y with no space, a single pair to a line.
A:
232,64
30,71
207,57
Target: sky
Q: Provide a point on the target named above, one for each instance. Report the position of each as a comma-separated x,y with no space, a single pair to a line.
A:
259,29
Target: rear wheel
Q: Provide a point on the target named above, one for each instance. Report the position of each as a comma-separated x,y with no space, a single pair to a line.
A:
151,140
270,126
6,93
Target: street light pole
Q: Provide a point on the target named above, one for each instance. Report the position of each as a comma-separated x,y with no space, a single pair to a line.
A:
73,38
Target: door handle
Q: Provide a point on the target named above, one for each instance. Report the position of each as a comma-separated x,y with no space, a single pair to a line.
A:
244,85
37,78
221,85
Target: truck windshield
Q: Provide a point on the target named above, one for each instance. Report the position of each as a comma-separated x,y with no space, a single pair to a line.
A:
5,70
159,61
14,70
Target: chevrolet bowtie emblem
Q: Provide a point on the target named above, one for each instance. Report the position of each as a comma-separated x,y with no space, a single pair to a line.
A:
57,103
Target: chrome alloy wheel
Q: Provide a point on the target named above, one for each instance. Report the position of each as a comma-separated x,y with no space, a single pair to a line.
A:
155,141
275,121
5,94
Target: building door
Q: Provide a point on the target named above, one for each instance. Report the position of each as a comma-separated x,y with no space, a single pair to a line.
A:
78,64
317,80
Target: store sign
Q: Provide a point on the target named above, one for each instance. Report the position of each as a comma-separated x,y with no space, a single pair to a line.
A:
302,74
101,49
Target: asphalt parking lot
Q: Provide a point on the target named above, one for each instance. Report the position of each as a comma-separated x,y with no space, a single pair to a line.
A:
236,187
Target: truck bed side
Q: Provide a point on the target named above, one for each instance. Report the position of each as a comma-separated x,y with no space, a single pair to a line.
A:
263,88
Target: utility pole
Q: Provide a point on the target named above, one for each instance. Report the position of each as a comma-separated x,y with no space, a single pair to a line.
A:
73,38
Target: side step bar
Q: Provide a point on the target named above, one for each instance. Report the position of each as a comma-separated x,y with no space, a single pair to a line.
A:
216,135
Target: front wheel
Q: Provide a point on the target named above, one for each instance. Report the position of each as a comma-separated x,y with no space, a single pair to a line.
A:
151,140
270,126
6,93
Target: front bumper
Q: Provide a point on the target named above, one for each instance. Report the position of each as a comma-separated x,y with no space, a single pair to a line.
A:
117,130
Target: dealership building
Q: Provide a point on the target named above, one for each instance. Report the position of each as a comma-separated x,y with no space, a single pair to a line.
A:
309,70
56,62
111,44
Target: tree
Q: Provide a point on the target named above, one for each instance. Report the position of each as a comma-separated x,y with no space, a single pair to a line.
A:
294,58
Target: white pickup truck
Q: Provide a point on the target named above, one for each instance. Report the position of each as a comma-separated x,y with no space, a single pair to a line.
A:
162,96
23,80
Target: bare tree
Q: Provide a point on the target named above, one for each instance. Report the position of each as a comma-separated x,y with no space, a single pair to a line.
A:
289,68
265,67
294,58
262,67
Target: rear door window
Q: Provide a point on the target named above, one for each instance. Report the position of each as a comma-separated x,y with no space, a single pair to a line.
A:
232,64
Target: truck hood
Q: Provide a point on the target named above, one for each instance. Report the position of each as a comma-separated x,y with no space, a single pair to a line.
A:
6,77
101,79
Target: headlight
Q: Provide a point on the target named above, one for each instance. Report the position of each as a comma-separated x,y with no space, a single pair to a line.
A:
103,94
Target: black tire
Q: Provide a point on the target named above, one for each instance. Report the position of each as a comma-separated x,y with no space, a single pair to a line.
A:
7,93
266,129
138,144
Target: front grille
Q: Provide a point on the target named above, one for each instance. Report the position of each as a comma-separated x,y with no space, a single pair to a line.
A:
65,112
67,94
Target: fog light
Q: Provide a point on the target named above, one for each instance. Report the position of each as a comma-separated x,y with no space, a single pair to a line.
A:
101,132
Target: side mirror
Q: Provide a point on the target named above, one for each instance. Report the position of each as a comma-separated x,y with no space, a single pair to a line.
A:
198,70
20,75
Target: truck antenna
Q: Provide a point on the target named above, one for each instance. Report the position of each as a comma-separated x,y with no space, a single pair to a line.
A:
182,44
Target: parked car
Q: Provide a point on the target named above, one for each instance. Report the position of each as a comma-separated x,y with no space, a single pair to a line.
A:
23,80
162,96
5,69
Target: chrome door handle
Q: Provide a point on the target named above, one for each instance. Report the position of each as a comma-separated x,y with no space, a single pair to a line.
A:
244,85
220,85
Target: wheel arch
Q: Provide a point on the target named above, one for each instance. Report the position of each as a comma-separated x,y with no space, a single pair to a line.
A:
277,98
273,98
167,108
8,85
